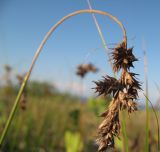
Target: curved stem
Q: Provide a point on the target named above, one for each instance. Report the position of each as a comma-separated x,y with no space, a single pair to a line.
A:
14,108
101,36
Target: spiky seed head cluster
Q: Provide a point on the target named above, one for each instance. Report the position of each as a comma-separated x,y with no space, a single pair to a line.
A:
83,69
107,86
124,91
122,57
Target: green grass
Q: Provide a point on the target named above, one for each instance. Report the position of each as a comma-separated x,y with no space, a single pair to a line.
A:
47,118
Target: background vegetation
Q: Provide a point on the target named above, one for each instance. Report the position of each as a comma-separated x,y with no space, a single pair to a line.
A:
52,121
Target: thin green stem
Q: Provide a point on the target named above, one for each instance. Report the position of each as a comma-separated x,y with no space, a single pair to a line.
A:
156,116
147,123
147,127
125,137
98,27
14,108
101,35
147,104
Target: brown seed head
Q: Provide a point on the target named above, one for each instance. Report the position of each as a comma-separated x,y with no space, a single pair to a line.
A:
124,91
127,102
109,127
83,69
122,57
107,86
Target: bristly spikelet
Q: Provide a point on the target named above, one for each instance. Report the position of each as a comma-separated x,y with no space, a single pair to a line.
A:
109,127
129,78
83,69
127,102
124,91
122,57
107,86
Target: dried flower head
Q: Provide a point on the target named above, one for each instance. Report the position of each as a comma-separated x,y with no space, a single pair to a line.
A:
91,68
122,57
129,78
109,127
107,86
127,102
83,69
124,91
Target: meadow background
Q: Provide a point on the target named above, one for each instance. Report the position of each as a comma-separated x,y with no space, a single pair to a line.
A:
61,111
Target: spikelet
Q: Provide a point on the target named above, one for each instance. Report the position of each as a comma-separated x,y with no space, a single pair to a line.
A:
83,69
122,57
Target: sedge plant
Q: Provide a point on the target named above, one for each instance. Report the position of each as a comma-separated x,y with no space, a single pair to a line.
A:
124,90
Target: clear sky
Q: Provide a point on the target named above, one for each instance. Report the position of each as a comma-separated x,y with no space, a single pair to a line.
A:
23,24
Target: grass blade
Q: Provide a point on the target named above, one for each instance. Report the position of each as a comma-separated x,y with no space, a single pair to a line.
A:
124,133
147,104
156,116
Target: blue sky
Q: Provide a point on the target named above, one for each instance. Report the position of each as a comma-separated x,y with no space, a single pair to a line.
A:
23,24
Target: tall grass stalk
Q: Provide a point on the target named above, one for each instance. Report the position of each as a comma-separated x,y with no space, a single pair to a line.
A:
14,108
124,133
99,29
147,104
101,35
156,116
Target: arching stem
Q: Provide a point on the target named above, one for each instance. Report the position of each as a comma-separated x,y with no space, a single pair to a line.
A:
14,108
